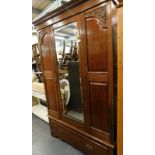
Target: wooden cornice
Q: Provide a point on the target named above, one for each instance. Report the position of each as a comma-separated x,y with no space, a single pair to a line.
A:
118,3
57,11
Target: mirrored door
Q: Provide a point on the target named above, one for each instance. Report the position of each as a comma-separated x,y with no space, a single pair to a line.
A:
66,46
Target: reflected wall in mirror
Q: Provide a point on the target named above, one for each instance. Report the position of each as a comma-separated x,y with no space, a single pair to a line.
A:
66,42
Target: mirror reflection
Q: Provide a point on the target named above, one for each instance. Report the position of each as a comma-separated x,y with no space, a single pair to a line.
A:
68,70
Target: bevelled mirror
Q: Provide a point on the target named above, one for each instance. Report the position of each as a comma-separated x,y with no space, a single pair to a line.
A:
66,46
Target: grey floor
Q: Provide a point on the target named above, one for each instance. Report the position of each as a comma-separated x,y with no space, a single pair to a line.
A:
44,144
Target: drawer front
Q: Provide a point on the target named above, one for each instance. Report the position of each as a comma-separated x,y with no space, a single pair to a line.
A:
82,143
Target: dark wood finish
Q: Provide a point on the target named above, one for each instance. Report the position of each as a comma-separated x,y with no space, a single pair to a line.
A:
98,47
83,68
79,141
86,134
49,76
98,106
96,29
51,93
98,76
97,55
45,48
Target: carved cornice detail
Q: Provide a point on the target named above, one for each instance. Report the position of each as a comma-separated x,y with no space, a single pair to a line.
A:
101,16
41,36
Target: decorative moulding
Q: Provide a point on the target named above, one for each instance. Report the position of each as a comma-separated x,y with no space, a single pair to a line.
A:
100,14
41,35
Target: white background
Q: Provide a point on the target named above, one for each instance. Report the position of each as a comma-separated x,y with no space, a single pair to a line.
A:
15,77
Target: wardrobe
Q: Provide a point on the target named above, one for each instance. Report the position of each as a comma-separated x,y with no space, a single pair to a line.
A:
78,46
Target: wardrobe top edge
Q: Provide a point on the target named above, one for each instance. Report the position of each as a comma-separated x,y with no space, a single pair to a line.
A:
57,11
64,8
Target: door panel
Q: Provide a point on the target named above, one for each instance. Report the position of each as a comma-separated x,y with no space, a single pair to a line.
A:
96,45
99,105
99,70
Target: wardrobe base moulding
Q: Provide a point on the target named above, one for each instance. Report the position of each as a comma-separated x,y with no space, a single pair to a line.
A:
86,144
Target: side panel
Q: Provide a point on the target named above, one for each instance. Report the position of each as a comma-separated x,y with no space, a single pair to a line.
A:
120,83
47,55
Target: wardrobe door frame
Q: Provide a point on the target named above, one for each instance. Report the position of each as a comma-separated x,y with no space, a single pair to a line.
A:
110,138
72,122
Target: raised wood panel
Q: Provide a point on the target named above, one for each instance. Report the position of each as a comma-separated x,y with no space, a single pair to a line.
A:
96,35
98,46
99,106
44,41
51,93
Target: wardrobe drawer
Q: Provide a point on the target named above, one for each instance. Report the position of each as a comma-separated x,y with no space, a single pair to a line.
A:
82,143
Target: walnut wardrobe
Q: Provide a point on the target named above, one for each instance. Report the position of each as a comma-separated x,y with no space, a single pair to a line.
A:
78,45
